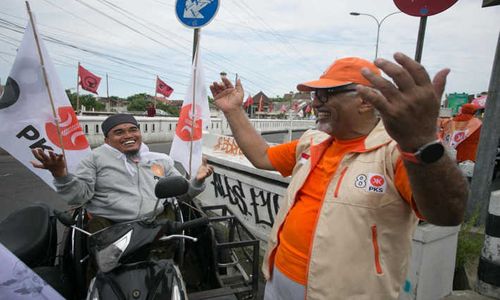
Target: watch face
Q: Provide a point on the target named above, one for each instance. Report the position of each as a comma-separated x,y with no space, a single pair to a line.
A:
432,153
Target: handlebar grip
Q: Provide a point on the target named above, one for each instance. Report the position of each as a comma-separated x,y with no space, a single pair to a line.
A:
64,218
191,224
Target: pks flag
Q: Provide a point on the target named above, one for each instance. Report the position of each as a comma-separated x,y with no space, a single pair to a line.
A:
261,103
88,80
26,115
193,118
248,102
163,88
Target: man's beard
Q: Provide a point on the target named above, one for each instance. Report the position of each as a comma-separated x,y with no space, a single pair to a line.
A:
131,153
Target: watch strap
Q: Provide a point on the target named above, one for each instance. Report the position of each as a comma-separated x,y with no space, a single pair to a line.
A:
415,156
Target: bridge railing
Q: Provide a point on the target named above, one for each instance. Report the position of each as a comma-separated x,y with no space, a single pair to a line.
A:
162,129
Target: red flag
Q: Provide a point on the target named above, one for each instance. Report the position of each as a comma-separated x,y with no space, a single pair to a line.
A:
163,88
88,81
261,103
308,109
270,107
248,102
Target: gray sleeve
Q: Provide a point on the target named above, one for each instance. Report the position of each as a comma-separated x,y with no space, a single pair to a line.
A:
78,188
195,186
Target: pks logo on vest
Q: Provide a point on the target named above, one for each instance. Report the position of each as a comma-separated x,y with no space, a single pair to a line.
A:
371,182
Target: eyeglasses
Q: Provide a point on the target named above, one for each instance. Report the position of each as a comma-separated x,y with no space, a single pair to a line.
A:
324,95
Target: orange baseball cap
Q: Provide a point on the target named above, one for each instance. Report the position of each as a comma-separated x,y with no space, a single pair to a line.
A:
341,72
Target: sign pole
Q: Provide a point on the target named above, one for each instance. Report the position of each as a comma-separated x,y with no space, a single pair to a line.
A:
420,38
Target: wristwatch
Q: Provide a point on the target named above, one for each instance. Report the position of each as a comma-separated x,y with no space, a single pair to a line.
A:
427,154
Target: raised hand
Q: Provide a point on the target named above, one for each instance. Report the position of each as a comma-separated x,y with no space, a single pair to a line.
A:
204,171
227,97
51,161
409,107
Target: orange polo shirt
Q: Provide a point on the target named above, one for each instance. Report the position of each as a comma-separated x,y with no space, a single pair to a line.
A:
292,254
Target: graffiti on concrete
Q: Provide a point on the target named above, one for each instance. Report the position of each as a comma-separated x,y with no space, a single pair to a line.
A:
252,203
227,145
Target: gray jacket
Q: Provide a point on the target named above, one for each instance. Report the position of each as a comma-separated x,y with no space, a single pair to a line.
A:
114,187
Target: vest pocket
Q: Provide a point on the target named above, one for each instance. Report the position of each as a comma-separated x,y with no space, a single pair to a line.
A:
376,250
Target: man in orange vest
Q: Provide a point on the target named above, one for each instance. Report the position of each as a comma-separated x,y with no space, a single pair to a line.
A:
462,133
359,182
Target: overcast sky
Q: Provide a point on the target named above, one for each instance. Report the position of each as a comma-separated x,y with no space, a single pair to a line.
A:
271,44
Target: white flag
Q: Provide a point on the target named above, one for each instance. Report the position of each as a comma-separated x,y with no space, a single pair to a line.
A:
193,119
26,114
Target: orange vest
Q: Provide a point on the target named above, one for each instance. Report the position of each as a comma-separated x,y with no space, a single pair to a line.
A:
464,137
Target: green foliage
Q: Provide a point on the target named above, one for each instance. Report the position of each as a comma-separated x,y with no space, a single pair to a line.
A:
137,105
140,96
172,110
470,241
87,100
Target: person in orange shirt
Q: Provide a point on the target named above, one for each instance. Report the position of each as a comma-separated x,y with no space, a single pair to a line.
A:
462,133
360,180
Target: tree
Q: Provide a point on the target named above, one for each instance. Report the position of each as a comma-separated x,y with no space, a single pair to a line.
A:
137,102
172,110
87,100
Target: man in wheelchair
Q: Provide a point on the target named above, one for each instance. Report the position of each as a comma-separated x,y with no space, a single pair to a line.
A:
116,181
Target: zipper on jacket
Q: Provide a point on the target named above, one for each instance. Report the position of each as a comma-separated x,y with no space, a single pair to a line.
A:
139,190
376,250
337,187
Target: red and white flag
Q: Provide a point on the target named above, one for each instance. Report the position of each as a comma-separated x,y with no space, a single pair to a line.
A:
283,108
194,117
271,107
163,88
248,102
261,103
88,81
26,114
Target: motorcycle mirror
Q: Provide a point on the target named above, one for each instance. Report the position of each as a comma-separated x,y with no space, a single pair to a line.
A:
171,186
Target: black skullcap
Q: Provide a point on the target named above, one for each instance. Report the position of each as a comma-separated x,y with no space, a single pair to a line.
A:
117,119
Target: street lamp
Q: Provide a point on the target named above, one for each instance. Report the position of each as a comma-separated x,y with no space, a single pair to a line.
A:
379,23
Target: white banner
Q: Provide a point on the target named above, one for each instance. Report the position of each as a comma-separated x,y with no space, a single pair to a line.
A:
192,121
26,113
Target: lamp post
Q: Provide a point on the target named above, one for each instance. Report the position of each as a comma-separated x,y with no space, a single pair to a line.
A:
379,23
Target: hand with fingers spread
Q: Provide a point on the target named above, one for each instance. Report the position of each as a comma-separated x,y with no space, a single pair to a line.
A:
227,97
49,161
409,107
204,171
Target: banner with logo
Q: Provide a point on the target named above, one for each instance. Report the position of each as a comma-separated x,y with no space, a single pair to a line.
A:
194,117
163,88
26,114
88,80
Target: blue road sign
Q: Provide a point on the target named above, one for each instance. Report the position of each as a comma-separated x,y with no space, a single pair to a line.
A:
196,13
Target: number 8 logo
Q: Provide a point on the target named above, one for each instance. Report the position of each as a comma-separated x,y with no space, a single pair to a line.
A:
360,181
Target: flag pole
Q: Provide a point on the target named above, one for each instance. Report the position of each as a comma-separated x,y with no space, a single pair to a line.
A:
107,93
45,78
193,104
156,90
78,90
